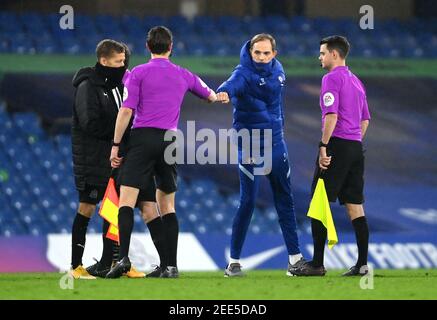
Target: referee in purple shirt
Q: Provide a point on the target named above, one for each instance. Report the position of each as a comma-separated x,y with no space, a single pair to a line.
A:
154,92
345,118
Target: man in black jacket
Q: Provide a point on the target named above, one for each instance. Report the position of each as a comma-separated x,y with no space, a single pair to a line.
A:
99,92
94,114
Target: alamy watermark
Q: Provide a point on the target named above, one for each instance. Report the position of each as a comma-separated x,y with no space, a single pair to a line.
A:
253,147
66,22
367,20
66,282
366,281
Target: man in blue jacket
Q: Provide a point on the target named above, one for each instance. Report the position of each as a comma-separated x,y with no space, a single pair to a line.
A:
255,89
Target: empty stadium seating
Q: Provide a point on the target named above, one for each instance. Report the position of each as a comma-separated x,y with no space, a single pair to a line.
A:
33,33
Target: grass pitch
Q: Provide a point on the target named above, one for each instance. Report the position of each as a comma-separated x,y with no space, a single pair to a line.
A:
257,285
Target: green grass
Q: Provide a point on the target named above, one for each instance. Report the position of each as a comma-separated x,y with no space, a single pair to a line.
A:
266,284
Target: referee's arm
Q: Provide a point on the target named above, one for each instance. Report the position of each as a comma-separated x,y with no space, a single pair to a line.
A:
330,123
123,118
364,125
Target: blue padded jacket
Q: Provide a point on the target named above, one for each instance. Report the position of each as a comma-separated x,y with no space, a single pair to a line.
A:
256,94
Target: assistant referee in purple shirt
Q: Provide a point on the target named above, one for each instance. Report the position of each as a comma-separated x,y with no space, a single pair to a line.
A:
345,118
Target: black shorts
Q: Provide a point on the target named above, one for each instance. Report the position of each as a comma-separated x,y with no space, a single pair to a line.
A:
91,194
95,194
145,158
344,178
147,191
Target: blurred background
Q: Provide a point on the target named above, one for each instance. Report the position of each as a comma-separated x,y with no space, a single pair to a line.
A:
397,61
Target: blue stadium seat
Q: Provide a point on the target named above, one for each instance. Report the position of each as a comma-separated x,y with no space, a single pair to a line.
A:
204,25
8,214
201,228
180,26
69,45
106,23
22,45
41,229
13,228
84,24
38,33
29,125
132,26
32,21
234,201
32,217
4,43
195,45
46,45
9,22
277,24
152,21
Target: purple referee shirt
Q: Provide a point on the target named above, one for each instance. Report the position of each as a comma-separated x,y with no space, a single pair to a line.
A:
155,90
343,93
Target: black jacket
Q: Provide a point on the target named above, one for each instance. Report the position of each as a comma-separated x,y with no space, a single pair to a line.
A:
94,115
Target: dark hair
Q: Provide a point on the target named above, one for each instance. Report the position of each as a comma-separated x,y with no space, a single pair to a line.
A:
261,37
107,47
159,40
338,43
127,54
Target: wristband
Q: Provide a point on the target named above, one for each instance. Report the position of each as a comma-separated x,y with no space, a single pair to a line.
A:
321,144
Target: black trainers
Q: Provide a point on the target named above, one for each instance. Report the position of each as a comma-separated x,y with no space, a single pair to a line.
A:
293,267
170,272
155,273
307,269
234,270
356,271
119,268
97,270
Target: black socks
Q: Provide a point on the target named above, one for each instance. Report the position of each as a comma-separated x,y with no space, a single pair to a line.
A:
157,232
108,244
362,235
115,252
164,232
125,226
171,230
80,226
319,239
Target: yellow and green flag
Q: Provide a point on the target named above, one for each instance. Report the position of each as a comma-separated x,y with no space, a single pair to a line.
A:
109,210
320,210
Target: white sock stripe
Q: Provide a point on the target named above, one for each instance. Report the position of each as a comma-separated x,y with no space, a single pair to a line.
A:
288,173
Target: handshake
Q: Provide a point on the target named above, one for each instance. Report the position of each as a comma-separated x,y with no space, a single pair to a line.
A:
222,97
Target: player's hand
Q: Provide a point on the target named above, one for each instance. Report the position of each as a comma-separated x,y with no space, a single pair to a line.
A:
324,160
114,158
223,97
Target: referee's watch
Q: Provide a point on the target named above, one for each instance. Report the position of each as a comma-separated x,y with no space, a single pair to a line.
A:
115,144
321,144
